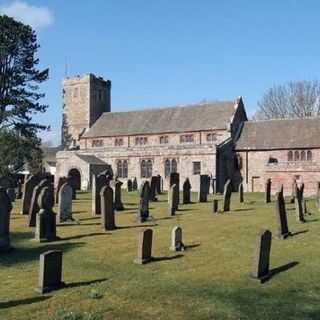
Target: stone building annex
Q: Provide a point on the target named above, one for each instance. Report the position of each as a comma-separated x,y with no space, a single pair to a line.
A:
213,138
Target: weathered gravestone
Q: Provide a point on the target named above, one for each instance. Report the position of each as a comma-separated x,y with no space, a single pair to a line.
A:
34,206
153,188
293,190
11,194
46,218
215,205
186,191
143,213
261,260
107,208
65,203
204,187
213,185
129,185
227,195
50,272
118,205
5,209
175,179
281,216
176,239
98,182
159,184
144,247
61,181
241,198
135,184
29,184
268,191
298,200
173,199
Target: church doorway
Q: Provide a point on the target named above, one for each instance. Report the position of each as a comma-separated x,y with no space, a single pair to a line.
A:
76,178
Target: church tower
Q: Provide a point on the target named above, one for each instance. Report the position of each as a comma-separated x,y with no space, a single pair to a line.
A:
85,98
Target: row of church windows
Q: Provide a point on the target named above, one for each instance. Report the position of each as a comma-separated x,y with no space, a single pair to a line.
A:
300,155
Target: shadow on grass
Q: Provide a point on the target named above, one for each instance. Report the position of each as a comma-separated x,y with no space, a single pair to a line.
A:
89,219
313,220
15,303
20,236
80,236
191,246
83,283
298,232
273,272
22,255
158,259
185,209
137,226
243,209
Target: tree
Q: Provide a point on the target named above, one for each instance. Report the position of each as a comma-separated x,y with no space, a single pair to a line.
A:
19,94
292,100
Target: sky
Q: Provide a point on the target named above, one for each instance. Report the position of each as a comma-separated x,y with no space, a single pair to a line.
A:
172,52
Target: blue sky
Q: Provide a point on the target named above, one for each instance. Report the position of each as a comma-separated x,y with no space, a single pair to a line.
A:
168,52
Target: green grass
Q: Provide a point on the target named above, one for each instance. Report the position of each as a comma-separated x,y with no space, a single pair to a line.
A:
207,281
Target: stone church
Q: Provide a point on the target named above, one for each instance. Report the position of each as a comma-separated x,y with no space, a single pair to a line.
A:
213,138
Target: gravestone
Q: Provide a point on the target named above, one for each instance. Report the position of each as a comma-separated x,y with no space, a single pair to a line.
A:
73,184
203,188
144,247
281,216
293,190
19,189
5,209
46,218
158,184
116,186
261,259
175,179
107,208
186,191
50,272
241,199
173,199
215,206
227,195
34,206
135,184
129,185
61,181
29,185
98,182
65,203
176,239
153,188
268,190
143,213
11,194
318,196
298,200
213,185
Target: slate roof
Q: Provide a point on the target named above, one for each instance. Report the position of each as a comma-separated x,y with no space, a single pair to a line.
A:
90,159
205,116
280,134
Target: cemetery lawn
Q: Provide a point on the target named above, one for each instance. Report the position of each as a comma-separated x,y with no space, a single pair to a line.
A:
207,281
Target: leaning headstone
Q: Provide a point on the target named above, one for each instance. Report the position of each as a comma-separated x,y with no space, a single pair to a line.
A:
281,216
29,184
144,247
261,260
50,273
268,191
175,179
241,199
61,181
135,184
186,191
107,208
298,200
129,185
5,209
65,203
158,185
153,188
143,213
173,199
215,206
46,218
227,195
118,205
98,182
204,188
176,239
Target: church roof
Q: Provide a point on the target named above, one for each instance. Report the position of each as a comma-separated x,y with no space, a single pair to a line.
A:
280,134
204,116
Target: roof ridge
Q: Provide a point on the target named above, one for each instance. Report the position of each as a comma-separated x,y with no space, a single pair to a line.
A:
285,119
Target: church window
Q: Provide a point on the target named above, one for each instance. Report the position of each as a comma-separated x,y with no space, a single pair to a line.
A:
309,155
211,137
303,156
196,167
186,138
146,168
290,156
173,166
296,156
164,139
141,140
97,143
122,168
118,141
170,166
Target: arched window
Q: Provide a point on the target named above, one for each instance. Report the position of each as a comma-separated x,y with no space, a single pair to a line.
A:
167,168
173,166
125,169
303,156
146,168
119,169
290,156
143,169
309,155
296,156
170,167
149,169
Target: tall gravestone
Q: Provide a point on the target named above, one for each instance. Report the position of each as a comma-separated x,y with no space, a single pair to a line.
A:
50,271
318,196
29,184
204,187
19,189
129,185
298,200
293,190
213,185
268,191
135,184
107,208
175,179
5,210
65,203
98,182
241,198
46,218
227,196
186,191
261,260
215,206
144,247
158,184
173,199
143,213
118,205
281,216
61,181
176,239
153,188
